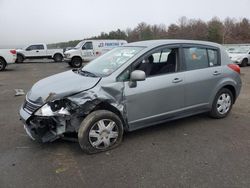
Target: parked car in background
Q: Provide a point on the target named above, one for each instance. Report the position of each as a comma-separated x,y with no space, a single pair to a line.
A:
239,54
131,87
7,56
39,51
87,50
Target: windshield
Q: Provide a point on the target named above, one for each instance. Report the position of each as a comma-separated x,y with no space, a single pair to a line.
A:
111,61
79,45
239,50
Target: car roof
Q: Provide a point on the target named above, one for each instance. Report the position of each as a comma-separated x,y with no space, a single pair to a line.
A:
155,43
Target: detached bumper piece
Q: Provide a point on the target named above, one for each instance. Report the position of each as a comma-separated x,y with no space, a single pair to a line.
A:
45,129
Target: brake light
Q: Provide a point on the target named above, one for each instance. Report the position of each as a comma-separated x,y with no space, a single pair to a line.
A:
234,67
13,52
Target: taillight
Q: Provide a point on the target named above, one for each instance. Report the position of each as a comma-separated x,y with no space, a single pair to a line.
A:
13,52
234,67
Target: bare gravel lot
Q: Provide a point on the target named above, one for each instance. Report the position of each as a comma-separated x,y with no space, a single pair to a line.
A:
191,152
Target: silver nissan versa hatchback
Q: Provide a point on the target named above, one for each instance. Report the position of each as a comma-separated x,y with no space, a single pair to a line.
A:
131,87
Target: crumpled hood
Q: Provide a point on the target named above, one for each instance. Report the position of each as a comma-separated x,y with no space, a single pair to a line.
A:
60,85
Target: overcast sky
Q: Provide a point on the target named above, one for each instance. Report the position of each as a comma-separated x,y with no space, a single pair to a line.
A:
27,21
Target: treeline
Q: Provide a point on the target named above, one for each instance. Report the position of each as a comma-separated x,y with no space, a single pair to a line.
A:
224,32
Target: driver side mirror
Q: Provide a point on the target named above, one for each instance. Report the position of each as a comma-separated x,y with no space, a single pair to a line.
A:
136,75
83,48
28,49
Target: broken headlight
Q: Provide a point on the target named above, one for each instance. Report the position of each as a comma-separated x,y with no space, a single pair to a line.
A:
54,108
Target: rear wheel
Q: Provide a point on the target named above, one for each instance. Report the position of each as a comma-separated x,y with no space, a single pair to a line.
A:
76,62
222,104
19,58
101,130
58,57
2,64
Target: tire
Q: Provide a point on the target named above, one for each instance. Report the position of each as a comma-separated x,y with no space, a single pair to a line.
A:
2,64
69,63
19,58
244,63
222,104
58,58
100,131
76,62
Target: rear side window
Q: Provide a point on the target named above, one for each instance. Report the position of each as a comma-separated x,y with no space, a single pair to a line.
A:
195,58
213,57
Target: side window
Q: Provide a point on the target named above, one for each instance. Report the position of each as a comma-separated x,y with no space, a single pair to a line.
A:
39,47
213,57
32,47
160,62
87,46
195,58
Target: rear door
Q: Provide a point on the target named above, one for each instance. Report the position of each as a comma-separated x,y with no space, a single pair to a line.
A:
203,72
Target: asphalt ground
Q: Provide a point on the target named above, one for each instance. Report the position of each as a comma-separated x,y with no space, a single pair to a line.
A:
191,152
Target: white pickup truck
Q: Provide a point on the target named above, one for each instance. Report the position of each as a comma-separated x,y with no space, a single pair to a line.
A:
39,51
7,56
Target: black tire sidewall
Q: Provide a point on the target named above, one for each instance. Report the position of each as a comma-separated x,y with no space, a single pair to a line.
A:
244,63
76,60
214,112
20,58
58,58
3,64
89,121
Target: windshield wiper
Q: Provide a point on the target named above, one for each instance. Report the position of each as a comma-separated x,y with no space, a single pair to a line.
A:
86,73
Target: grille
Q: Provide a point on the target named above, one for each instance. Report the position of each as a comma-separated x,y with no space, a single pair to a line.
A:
29,106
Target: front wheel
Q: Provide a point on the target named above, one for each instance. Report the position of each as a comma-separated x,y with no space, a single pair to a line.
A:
222,104
76,62
101,130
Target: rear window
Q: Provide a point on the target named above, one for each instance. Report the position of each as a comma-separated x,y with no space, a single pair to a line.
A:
195,58
199,58
213,57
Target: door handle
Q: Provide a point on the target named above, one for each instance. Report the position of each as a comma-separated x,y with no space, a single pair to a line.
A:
177,80
216,73
37,51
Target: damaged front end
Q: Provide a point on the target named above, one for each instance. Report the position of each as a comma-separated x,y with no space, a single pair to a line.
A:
50,121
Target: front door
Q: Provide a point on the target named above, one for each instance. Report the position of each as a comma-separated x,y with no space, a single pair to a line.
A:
88,51
161,95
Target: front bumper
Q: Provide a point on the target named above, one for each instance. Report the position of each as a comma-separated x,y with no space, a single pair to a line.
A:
67,60
42,129
236,62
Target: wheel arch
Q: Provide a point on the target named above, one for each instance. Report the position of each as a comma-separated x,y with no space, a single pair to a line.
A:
21,54
106,106
227,83
77,56
232,89
57,53
2,58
